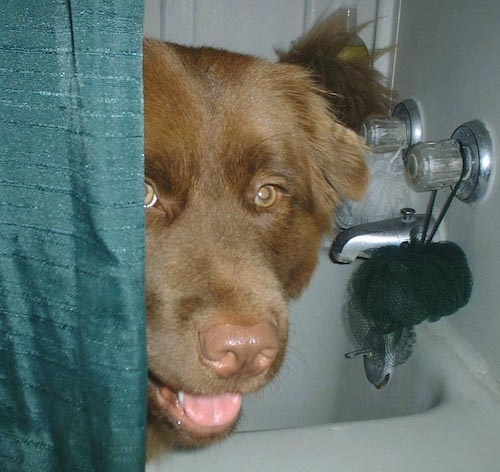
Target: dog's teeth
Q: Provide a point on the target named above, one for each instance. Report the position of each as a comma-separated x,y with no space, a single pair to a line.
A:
180,399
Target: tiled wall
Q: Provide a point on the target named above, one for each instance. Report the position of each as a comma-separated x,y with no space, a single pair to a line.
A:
257,26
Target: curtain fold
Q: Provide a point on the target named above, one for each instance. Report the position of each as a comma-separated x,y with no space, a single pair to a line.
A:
73,367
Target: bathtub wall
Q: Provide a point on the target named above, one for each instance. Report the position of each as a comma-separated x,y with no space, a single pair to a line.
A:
257,26
448,58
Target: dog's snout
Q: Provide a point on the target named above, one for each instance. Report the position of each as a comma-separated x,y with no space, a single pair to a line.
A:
236,351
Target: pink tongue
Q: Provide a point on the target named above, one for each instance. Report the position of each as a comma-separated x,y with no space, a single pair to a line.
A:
214,410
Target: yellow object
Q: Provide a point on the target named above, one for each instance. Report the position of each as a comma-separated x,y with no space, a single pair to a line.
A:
354,52
357,48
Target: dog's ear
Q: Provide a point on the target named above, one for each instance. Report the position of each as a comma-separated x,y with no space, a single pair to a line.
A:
342,163
336,153
358,89
339,168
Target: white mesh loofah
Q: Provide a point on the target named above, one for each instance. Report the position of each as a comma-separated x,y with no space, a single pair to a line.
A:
387,193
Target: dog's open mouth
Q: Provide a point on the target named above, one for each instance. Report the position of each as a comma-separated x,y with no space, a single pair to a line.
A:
200,416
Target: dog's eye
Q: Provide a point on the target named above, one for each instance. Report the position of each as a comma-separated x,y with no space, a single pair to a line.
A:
150,197
266,196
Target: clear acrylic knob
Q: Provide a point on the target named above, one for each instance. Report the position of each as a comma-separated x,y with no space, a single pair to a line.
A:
434,164
385,134
399,131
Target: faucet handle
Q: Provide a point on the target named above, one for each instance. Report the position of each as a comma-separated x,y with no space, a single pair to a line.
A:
433,165
465,159
385,134
401,130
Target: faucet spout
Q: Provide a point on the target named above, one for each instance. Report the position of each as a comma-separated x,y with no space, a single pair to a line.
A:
363,240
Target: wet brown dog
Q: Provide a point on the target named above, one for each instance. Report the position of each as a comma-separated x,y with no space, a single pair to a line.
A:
245,164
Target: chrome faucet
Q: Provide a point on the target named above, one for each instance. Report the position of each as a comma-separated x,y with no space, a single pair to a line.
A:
363,240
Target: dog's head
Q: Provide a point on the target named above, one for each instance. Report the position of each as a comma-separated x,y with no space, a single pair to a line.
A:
244,166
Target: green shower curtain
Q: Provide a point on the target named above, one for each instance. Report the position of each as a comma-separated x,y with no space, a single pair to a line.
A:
72,322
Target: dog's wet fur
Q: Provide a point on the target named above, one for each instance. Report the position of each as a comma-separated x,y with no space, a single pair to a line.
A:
246,161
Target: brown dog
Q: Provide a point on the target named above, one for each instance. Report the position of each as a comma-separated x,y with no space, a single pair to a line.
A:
245,164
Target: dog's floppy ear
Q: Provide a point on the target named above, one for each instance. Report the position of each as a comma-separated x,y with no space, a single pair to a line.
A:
357,89
336,153
343,164
339,168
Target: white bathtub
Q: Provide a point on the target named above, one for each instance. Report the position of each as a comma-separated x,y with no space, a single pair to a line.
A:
440,411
